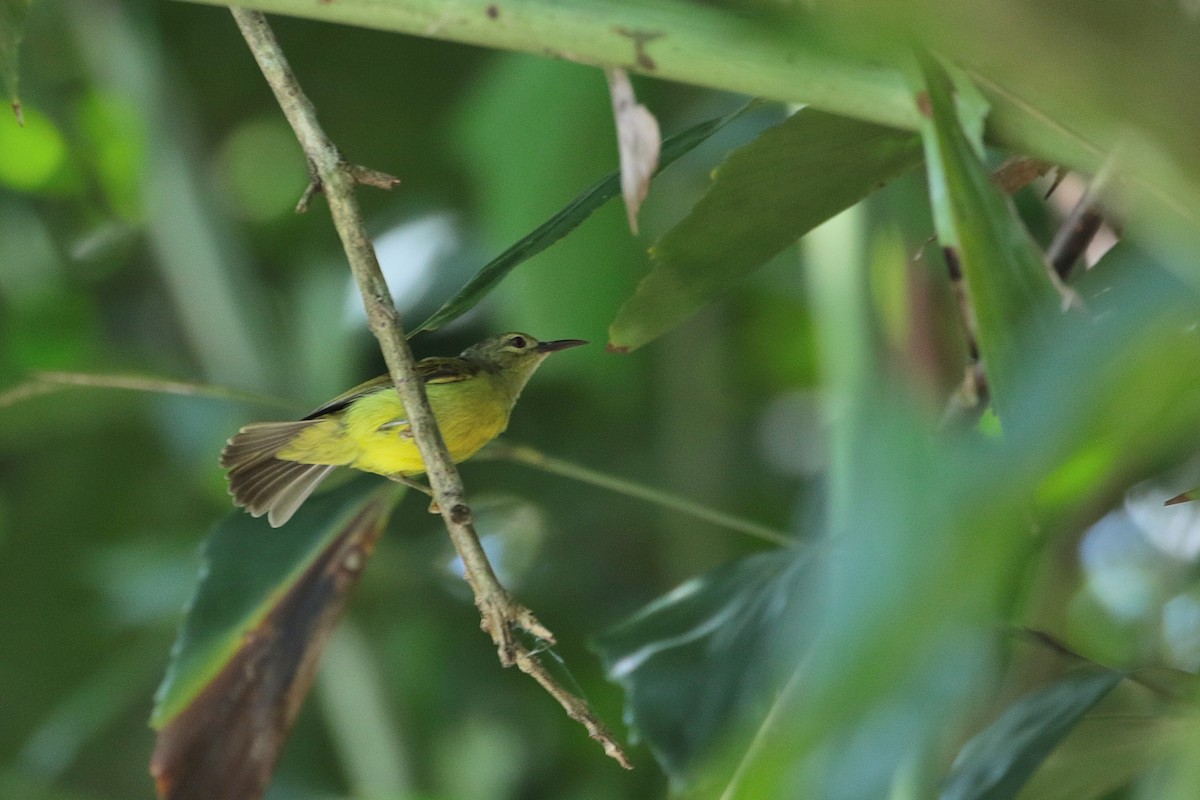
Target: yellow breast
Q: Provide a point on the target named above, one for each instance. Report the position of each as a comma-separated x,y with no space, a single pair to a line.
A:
370,434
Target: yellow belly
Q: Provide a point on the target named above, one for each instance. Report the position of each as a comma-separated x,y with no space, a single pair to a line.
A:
470,414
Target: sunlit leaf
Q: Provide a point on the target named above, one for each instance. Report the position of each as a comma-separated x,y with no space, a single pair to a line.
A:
565,221
1000,759
698,663
246,655
12,29
1009,287
765,196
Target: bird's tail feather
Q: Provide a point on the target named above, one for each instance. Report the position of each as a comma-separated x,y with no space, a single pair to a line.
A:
264,484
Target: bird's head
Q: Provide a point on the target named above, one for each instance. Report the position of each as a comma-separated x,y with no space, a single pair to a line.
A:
515,356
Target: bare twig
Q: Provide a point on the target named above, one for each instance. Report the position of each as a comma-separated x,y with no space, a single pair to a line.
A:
521,454
1074,236
43,383
1080,227
501,615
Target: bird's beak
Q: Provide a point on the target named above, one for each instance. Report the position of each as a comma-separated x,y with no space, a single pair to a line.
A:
559,344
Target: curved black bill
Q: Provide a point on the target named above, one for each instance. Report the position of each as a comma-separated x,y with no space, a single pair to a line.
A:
559,344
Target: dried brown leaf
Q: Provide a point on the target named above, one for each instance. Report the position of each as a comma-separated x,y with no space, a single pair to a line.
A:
224,744
638,141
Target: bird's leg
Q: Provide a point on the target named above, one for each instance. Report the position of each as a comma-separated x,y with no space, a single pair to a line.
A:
420,487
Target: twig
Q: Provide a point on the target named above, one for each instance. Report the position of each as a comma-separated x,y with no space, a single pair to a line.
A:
1052,643
1080,227
1074,237
43,383
528,456
501,615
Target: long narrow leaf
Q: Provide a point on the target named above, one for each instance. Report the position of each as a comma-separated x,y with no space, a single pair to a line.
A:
567,219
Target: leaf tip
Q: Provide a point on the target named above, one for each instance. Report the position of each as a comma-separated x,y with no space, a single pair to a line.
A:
18,112
619,349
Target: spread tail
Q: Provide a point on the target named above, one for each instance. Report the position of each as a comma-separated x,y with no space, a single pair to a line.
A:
264,484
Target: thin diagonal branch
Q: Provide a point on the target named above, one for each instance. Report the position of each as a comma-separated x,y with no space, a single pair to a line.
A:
501,615
521,454
1081,225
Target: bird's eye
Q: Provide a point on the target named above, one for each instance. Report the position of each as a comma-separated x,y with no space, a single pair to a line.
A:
517,342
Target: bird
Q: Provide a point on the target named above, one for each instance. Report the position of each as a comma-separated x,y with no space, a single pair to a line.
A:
274,466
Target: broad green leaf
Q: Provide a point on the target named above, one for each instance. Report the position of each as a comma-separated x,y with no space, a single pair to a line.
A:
12,29
266,601
765,196
1009,287
1000,759
563,222
699,662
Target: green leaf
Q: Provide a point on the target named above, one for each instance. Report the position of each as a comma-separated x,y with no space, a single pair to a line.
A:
997,762
698,662
765,196
12,29
563,222
246,654
1009,286
728,46
1099,758
933,554
1129,73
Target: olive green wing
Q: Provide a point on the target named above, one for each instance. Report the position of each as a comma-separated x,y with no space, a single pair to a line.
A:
346,398
431,370
446,369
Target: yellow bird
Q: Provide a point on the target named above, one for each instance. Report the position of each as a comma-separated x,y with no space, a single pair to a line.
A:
274,466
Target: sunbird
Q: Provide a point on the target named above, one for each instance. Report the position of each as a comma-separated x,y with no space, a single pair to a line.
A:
274,466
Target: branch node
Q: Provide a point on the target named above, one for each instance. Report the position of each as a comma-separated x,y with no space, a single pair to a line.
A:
365,176
314,185
310,191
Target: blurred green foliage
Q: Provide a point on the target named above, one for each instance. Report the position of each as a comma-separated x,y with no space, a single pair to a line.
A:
145,227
